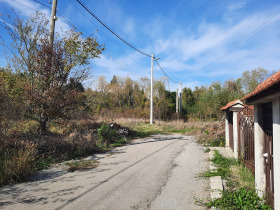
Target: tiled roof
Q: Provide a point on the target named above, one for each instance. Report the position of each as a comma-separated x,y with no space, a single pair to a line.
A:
229,104
269,82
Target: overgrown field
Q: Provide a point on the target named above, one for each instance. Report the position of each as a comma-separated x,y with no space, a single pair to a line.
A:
23,150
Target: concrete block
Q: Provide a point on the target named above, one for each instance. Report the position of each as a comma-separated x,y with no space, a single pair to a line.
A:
216,187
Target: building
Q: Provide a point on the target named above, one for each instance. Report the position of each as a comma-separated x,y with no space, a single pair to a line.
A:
231,124
266,101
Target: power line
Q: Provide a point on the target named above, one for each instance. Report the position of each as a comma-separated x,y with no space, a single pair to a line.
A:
108,55
84,35
99,29
121,65
165,73
88,10
63,16
260,28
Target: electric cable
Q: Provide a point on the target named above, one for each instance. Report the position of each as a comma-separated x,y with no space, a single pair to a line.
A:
165,73
119,37
108,55
84,35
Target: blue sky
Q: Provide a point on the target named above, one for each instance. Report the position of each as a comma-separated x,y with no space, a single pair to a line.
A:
197,41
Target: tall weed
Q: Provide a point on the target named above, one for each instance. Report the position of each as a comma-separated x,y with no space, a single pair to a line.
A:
17,162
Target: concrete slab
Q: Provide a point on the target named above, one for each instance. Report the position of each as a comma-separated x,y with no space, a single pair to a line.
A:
225,151
216,187
216,182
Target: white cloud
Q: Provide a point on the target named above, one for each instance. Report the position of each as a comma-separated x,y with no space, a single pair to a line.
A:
232,10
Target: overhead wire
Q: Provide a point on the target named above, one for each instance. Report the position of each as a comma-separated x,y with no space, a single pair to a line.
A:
84,35
107,54
251,34
99,29
63,16
86,8
118,36
165,73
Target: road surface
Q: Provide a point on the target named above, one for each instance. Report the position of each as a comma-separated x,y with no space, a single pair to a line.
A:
154,173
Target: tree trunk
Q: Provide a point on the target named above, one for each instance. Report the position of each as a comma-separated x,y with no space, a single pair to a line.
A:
43,123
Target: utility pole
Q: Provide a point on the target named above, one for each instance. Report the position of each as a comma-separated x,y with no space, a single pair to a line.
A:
151,99
180,101
52,23
177,101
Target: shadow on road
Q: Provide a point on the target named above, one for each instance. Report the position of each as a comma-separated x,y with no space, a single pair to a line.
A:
14,191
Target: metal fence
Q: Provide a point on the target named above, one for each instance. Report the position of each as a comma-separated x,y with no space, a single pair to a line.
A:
246,146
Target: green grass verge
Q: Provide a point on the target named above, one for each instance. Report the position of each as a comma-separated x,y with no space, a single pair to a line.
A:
223,166
242,198
240,192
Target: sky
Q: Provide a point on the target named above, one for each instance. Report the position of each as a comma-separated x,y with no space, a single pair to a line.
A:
197,41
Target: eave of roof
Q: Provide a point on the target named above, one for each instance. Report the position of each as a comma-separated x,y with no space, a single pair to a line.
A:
266,84
230,104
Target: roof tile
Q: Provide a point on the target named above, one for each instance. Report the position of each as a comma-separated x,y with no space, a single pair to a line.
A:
269,82
229,104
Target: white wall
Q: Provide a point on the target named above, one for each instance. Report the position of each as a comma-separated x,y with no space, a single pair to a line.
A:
227,130
260,181
235,134
276,151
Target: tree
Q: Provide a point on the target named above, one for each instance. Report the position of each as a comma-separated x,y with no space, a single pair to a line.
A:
25,36
251,79
49,92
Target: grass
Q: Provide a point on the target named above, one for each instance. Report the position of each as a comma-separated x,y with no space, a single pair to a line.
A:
16,163
145,129
241,177
207,150
241,198
81,165
239,191
223,166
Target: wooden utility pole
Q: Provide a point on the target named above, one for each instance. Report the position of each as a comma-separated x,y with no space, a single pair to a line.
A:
52,23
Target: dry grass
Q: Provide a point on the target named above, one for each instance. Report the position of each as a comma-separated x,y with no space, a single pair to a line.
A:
17,162
242,177
175,126
81,165
23,150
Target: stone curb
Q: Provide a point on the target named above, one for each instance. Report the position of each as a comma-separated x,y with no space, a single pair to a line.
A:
216,182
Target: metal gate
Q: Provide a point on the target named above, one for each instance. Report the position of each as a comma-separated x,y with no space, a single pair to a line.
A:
268,151
246,144
230,123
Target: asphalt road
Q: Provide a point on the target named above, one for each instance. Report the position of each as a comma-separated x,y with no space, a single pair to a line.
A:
155,173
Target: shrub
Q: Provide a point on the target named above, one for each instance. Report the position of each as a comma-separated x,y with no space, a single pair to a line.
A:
239,199
106,134
16,162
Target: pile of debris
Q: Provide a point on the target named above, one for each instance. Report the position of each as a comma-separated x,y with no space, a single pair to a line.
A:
123,131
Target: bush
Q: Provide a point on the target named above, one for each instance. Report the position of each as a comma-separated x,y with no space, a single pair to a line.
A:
239,199
16,162
106,134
